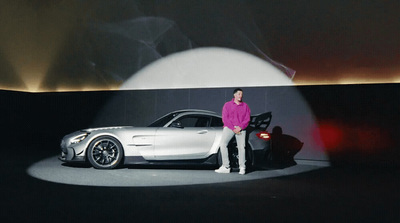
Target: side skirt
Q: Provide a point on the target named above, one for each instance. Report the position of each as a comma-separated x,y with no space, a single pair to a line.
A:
211,160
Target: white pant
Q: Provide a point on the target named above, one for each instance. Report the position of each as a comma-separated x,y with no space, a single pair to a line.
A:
227,135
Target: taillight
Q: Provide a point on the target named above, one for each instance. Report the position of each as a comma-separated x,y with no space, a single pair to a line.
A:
264,135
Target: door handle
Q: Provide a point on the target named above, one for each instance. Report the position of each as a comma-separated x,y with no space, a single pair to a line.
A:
202,132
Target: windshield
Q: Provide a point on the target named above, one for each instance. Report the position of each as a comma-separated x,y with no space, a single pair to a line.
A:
162,121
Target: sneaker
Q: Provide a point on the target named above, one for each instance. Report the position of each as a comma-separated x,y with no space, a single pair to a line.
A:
242,171
223,169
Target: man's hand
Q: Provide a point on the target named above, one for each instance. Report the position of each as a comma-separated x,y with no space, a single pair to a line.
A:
237,130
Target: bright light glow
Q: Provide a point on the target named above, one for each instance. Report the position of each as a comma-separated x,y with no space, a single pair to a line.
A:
86,88
228,68
351,76
209,67
30,41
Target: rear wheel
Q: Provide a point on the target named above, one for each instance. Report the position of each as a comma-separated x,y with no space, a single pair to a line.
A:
249,158
219,158
233,156
105,152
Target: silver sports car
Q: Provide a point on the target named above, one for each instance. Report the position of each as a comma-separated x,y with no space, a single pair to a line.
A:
180,137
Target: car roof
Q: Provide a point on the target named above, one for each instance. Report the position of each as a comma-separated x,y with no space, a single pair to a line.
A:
198,111
179,113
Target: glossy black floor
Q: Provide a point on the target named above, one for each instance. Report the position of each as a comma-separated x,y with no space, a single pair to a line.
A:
334,194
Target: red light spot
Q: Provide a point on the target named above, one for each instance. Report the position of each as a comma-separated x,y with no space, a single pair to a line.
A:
353,137
331,135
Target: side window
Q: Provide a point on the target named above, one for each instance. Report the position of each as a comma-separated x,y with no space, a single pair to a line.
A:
194,121
217,122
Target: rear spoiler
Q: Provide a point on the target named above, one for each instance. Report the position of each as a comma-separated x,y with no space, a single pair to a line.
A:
260,121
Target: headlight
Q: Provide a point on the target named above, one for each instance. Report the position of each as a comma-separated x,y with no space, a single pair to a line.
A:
79,138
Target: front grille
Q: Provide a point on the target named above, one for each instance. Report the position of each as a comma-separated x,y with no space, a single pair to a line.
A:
63,145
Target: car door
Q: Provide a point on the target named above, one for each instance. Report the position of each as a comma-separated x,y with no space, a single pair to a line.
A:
188,137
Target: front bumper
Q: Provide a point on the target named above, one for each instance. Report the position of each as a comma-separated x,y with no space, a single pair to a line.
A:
68,154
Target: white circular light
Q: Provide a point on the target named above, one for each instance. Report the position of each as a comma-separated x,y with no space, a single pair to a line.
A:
209,67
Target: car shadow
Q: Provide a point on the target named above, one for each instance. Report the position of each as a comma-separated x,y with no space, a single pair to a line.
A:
170,166
77,165
283,149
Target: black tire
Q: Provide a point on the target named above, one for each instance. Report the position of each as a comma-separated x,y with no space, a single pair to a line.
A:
233,154
219,158
105,152
234,158
249,158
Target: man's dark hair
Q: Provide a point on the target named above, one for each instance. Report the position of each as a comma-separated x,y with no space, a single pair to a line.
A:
236,90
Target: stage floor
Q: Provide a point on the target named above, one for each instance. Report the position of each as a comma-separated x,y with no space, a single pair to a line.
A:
329,194
53,170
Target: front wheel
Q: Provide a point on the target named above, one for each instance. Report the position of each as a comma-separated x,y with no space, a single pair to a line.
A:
105,152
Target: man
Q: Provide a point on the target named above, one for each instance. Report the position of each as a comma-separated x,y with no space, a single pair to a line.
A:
236,117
